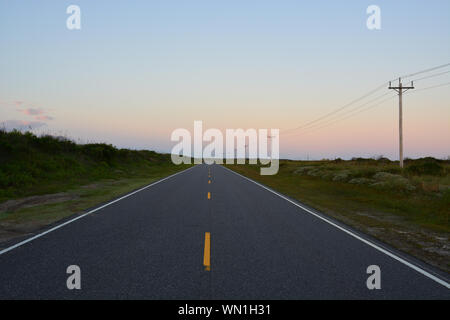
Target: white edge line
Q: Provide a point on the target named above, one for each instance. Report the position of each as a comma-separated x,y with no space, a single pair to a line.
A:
373,245
88,213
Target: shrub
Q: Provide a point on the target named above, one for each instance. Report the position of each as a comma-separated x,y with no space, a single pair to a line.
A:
341,176
388,180
28,161
303,170
427,166
362,181
394,185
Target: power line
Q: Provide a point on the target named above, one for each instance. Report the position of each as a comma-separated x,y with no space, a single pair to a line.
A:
317,121
346,112
348,116
401,89
324,125
423,71
432,87
335,111
431,76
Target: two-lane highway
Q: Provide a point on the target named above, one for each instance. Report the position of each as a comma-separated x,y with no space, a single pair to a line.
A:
208,233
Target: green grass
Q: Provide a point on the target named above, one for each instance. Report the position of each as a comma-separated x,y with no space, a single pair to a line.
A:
85,198
88,174
31,165
409,209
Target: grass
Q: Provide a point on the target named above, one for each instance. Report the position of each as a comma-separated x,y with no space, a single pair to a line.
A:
31,165
83,176
407,208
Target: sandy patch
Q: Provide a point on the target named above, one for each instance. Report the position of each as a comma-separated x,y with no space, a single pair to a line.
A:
16,204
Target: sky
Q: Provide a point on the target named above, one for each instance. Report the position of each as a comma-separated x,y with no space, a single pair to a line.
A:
137,70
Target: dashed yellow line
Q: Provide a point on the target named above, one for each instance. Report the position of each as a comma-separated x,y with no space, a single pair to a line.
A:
207,252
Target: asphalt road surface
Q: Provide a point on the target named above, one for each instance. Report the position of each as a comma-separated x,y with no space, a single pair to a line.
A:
208,233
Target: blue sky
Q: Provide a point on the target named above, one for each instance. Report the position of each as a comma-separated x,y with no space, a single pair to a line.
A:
139,69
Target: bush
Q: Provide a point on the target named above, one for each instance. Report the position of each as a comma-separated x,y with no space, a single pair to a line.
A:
388,180
394,185
341,176
303,170
427,166
365,181
28,161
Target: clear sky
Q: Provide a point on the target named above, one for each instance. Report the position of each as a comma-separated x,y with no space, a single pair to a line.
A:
137,70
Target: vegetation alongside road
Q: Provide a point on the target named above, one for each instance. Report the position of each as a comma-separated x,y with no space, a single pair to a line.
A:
408,208
44,179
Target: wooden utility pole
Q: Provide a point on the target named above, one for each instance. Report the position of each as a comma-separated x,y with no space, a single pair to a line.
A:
400,89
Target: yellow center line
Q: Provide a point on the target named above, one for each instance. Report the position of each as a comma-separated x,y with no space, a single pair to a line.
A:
209,195
207,252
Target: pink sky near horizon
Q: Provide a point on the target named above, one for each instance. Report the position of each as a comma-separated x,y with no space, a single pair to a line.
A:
368,134
130,80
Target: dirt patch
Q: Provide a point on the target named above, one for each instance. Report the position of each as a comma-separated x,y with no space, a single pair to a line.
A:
13,205
10,231
102,184
7,235
429,246
432,247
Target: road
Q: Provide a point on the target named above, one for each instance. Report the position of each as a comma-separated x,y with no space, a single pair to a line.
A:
208,233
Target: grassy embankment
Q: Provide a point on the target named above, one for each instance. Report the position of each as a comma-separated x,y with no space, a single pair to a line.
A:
409,208
44,179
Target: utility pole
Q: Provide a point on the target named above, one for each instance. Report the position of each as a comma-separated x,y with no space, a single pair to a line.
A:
400,89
